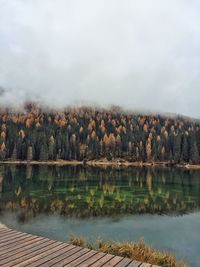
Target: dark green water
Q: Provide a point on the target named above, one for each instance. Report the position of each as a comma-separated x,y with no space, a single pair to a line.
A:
160,205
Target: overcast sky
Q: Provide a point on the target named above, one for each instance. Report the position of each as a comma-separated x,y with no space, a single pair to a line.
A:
137,54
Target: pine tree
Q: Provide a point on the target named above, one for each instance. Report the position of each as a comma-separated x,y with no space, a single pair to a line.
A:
148,149
2,151
30,153
177,148
43,152
194,154
185,149
130,149
14,153
198,138
51,147
118,146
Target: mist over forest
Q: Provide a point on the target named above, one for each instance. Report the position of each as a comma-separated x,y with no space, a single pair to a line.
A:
139,55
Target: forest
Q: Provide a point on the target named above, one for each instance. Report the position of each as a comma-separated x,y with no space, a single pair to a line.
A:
87,133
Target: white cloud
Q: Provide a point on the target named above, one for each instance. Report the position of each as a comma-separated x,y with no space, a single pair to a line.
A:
137,54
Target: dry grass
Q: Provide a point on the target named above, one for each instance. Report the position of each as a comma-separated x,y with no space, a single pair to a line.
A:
137,251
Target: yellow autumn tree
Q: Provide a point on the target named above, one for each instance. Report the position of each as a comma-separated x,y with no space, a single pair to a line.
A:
148,149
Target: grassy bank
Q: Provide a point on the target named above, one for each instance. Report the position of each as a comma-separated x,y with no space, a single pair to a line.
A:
136,251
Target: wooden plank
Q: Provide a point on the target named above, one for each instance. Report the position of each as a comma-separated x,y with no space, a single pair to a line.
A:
13,248
7,234
145,265
2,228
26,248
32,257
10,237
11,255
72,257
93,259
62,257
79,260
20,243
103,260
13,241
124,262
134,264
113,261
5,230
23,247
45,261
20,257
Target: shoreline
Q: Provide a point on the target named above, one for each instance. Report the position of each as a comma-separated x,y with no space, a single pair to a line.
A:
103,163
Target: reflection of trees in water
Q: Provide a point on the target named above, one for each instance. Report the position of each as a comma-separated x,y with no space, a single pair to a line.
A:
81,192
28,171
149,180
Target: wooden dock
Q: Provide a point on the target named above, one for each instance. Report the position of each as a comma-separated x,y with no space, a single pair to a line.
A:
22,249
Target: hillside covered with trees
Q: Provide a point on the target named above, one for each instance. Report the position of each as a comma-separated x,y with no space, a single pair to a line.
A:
87,133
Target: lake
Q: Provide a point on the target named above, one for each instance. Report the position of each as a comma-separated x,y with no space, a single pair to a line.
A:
159,205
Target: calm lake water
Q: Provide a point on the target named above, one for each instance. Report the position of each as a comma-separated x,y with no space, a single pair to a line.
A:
159,205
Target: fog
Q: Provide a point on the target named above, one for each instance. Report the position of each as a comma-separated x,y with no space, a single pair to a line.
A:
137,54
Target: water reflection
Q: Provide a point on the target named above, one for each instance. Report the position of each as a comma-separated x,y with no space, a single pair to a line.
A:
85,192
